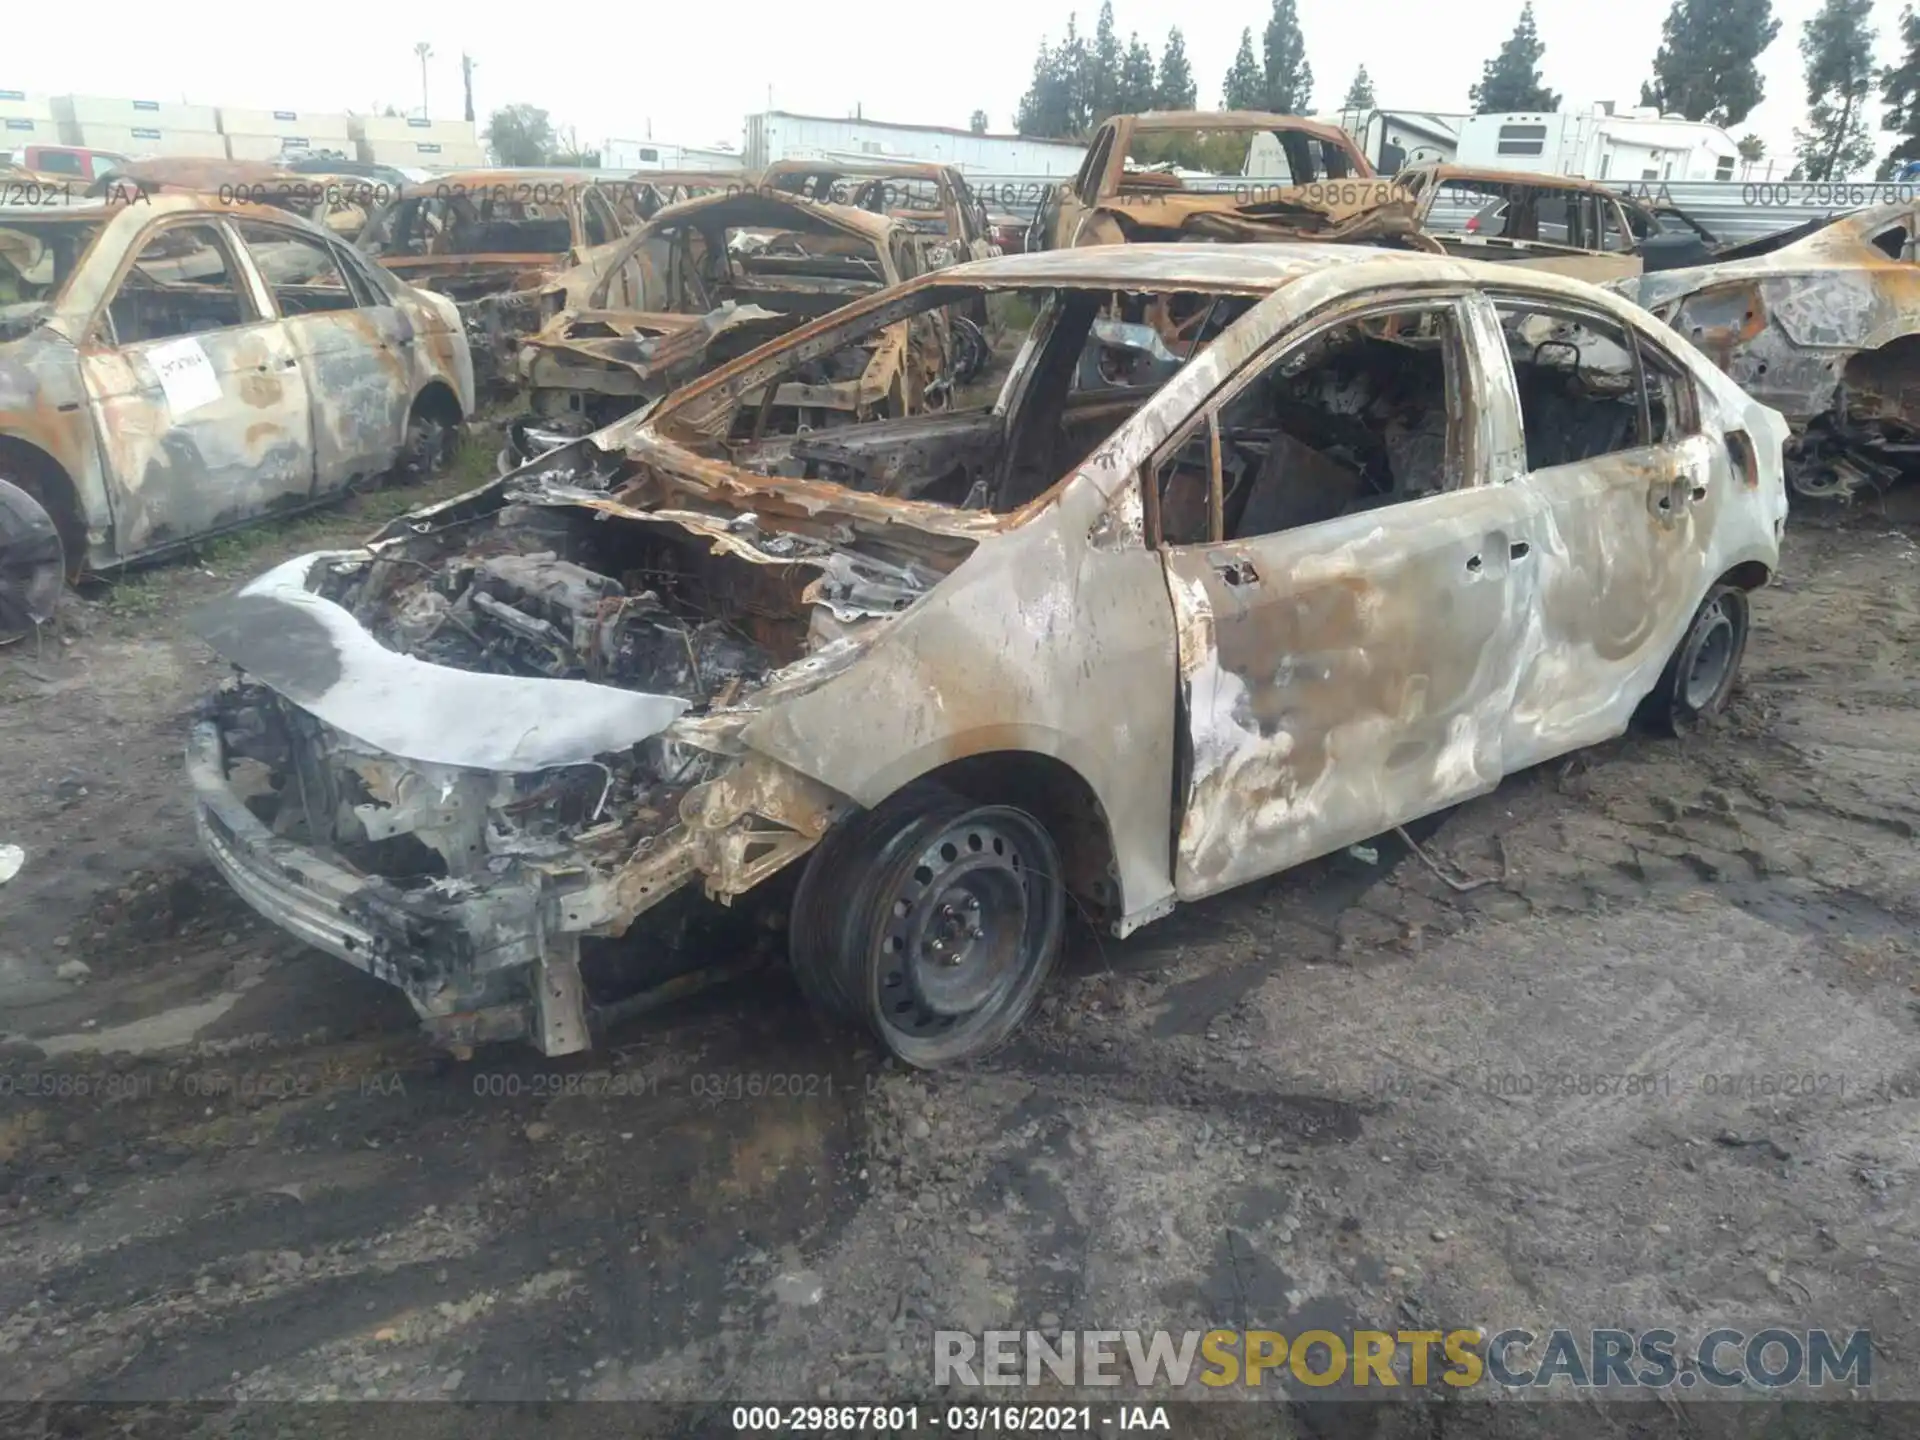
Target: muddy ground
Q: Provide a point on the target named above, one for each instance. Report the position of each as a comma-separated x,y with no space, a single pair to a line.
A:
1350,1096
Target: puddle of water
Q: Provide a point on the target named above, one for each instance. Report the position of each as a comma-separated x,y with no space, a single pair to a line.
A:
165,1031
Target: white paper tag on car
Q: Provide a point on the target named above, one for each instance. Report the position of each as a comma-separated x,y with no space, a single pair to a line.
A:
186,375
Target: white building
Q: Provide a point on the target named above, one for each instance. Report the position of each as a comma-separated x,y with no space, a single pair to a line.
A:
778,135
1601,143
659,155
1392,139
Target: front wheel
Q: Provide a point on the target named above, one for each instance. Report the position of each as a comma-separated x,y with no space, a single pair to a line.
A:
428,448
935,920
32,564
1698,679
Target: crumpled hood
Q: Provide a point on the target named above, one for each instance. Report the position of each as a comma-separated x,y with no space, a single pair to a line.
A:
312,651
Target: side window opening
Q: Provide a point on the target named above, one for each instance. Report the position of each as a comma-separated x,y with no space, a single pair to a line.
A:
182,283
1583,392
1892,242
1355,418
305,275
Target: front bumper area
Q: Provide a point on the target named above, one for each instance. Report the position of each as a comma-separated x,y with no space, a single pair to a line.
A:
468,956
497,956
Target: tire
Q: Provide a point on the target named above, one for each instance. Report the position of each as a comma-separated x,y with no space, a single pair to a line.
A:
1700,676
33,564
428,448
934,920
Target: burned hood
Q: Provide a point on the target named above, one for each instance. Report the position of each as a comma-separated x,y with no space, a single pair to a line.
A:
653,345
316,654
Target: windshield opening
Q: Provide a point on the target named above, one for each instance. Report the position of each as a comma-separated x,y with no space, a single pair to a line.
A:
1211,160
37,257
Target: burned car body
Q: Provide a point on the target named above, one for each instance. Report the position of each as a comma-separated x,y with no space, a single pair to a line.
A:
710,279
1236,175
1823,324
932,199
1560,223
490,239
1396,526
177,367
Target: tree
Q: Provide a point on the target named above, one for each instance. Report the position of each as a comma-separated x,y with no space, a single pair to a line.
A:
1135,91
1837,45
1705,67
1752,148
1103,68
1054,105
1900,89
1360,92
977,122
1511,79
1289,78
1245,87
520,135
1174,89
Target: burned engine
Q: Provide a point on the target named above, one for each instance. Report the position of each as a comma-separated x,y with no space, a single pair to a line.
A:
538,614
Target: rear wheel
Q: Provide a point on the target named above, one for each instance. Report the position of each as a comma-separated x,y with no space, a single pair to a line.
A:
32,563
1698,679
934,920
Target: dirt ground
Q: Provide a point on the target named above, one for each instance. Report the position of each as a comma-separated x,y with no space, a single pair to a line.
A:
1346,1097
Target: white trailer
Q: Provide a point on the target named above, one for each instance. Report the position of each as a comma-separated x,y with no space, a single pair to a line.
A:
1601,143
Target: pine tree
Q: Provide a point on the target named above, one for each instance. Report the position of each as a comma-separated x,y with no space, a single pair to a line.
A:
1289,78
1837,45
1511,79
1101,85
1136,79
1174,89
1360,92
1705,67
1246,86
1040,111
1900,89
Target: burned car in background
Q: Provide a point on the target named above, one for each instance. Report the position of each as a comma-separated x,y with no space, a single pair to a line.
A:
335,202
1561,223
712,278
178,367
1236,175
1822,322
1397,526
932,199
490,239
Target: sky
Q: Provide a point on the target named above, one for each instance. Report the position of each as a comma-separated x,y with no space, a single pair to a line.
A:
690,73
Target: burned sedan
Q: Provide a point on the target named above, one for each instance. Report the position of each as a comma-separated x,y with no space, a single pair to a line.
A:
177,367
709,279
490,239
1822,323
1396,526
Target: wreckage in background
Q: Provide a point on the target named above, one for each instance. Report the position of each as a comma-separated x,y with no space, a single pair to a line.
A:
956,670
178,367
339,203
1236,175
712,278
929,199
1560,223
1822,323
490,240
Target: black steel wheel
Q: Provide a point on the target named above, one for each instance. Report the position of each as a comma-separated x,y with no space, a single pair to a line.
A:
1698,679
954,929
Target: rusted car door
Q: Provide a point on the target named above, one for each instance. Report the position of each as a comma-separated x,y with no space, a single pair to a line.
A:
1347,656
1625,486
355,348
196,391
